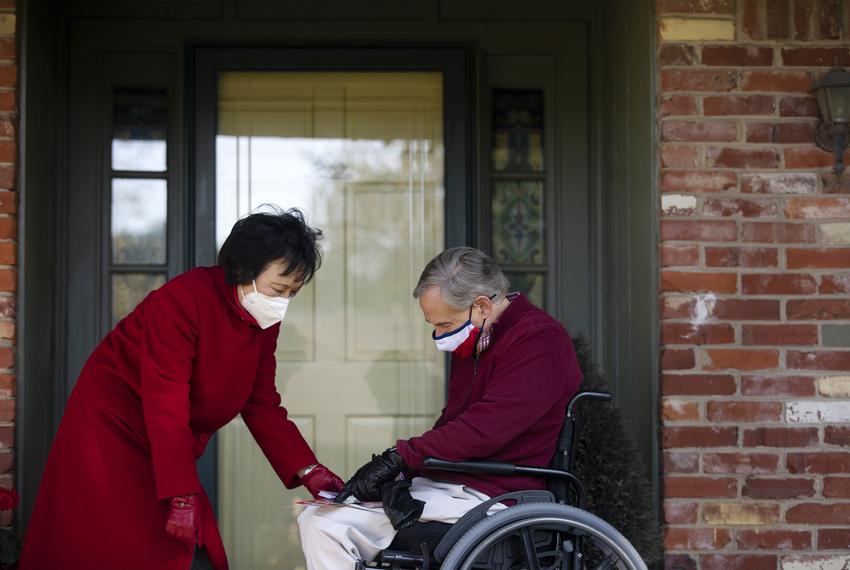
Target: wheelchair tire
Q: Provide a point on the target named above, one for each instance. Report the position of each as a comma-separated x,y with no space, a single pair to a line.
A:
507,522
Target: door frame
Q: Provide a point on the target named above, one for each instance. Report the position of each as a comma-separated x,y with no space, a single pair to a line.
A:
458,124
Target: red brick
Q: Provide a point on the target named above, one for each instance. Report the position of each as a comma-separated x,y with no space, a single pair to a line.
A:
729,207
777,232
7,385
8,151
746,309
836,487
741,359
742,56
7,437
824,462
781,437
740,463
8,103
818,513
7,357
679,411
7,49
696,538
672,54
697,131
742,157
776,81
742,412
779,183
778,284
775,539
677,359
7,410
679,562
784,488
738,562
7,128
835,183
816,56
7,461
677,307
698,385
678,512
780,334
697,181
699,487
811,157
7,176
817,309
836,283
837,435
674,156
790,386
829,12
693,436
696,7
687,333
8,253
741,257
672,255
760,132
8,75
818,360
815,19
818,208
724,105
698,231
699,282
753,19
697,80
833,538
786,133
8,280
821,258
672,105
7,306
8,202
798,107
680,462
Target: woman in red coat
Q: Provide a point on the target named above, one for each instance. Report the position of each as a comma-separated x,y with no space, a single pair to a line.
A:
121,488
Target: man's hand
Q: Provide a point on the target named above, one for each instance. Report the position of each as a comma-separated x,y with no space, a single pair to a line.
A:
184,519
320,478
368,480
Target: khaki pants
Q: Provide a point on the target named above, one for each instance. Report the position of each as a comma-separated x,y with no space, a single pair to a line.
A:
334,538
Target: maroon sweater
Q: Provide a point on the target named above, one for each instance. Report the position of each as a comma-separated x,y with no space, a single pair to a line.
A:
511,409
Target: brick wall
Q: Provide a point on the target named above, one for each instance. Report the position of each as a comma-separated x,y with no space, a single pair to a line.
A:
8,240
755,285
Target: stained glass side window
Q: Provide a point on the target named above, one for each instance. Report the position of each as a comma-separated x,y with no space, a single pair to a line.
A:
518,222
517,130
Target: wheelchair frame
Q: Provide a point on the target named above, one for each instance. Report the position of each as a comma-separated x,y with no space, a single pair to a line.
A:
559,479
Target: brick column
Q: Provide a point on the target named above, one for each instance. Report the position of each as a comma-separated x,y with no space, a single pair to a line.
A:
8,240
755,281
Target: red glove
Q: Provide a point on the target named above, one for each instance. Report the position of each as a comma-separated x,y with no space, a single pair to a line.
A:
320,478
184,519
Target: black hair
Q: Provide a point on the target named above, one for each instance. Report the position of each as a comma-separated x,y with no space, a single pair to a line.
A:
262,238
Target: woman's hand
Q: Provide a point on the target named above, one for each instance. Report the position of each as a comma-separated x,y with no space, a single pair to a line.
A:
367,482
184,519
320,478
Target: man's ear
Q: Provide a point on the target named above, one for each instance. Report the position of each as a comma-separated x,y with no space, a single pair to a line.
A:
483,306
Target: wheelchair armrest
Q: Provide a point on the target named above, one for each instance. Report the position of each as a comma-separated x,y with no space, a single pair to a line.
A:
495,468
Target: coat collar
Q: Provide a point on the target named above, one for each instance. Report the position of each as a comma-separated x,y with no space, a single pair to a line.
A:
518,306
231,294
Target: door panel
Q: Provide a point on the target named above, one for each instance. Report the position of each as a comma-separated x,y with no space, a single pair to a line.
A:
362,154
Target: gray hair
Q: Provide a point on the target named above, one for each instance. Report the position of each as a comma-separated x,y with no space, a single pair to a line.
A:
463,274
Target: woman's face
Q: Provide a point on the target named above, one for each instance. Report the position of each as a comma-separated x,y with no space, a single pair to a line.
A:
273,283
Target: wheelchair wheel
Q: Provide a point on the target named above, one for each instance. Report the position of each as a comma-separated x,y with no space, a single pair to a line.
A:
543,537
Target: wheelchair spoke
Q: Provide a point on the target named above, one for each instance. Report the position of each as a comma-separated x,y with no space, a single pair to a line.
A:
530,550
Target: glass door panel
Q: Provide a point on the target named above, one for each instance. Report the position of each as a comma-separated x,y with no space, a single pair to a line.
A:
361,153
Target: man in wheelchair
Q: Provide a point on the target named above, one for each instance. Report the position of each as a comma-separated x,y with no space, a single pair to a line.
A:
513,371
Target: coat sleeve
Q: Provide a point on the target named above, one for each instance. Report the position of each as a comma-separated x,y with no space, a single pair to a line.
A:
168,351
278,437
521,390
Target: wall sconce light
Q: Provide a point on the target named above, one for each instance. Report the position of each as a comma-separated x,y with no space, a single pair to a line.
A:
833,130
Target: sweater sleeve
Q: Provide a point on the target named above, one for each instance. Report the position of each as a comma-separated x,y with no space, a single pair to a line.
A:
521,391
167,355
278,437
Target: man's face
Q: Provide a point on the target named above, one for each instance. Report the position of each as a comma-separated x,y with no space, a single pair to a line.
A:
440,315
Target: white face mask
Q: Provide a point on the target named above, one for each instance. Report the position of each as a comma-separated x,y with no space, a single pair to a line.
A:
266,310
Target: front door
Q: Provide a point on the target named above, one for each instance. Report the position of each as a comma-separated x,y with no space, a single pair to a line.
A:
362,154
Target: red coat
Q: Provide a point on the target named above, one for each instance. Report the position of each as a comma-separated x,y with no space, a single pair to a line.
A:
178,368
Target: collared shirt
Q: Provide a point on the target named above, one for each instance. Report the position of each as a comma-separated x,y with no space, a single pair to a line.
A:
484,341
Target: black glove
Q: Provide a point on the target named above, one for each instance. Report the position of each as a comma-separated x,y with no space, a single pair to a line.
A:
367,481
400,507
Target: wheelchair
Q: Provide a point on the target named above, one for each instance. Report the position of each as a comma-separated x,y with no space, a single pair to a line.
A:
540,531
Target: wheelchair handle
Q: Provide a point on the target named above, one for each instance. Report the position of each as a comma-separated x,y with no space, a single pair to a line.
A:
604,396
